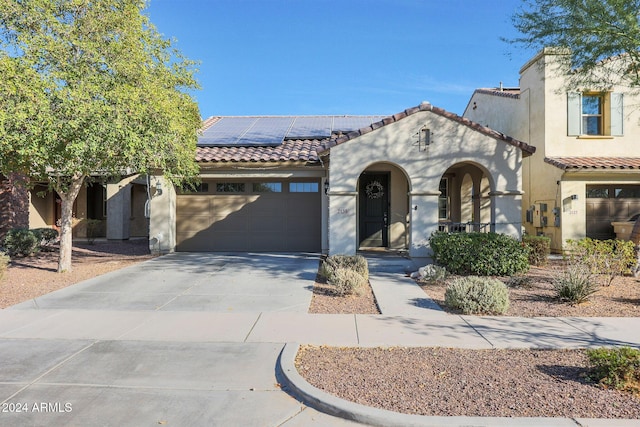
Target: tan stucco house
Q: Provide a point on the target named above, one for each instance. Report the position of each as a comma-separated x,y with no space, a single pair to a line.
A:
338,184
584,177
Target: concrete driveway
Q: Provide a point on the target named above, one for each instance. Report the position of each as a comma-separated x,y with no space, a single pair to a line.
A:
196,282
159,343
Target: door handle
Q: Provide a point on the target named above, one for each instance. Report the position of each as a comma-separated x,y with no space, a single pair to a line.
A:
386,219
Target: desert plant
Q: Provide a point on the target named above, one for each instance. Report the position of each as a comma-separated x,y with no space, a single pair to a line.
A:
539,248
432,273
480,254
477,295
355,263
4,263
616,367
519,281
21,242
575,284
610,258
347,281
94,227
46,237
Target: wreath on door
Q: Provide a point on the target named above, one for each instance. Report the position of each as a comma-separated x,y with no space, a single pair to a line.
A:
374,190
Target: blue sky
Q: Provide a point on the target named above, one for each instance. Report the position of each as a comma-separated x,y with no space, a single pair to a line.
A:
356,57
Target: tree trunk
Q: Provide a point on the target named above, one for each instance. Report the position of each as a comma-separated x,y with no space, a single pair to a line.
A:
66,226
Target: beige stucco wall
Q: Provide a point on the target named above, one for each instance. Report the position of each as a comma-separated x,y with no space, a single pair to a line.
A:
539,118
452,143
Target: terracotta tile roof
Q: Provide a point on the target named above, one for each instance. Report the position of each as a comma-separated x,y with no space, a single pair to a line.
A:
508,92
294,150
527,149
565,163
208,122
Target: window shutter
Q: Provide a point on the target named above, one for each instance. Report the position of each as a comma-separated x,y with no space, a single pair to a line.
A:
574,114
617,117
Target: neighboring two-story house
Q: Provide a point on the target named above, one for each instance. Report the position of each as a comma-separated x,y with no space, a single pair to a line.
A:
585,173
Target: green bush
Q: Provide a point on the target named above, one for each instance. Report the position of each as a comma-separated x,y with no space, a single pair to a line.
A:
611,258
539,249
616,367
477,295
480,254
21,242
355,263
4,264
347,281
46,237
575,284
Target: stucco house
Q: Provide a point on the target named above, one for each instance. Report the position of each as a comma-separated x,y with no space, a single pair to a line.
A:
584,177
338,184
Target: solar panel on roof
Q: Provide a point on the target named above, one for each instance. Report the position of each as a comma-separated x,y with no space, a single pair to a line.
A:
271,131
311,127
266,131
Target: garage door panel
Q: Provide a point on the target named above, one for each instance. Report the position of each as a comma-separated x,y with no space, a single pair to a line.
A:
272,221
227,205
233,222
193,223
193,204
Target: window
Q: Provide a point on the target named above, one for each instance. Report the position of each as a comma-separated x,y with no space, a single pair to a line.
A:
443,199
230,187
613,191
267,187
200,188
303,187
592,113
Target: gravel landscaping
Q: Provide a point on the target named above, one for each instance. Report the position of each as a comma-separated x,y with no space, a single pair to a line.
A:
453,382
33,276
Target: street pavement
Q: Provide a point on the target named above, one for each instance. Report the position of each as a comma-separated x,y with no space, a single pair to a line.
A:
197,340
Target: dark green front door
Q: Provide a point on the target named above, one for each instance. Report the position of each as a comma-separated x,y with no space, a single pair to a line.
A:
374,209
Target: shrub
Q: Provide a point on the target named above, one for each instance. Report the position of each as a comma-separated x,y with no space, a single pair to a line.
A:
575,284
355,263
480,254
21,242
611,258
4,263
94,229
616,367
46,237
539,248
519,281
433,273
347,282
477,295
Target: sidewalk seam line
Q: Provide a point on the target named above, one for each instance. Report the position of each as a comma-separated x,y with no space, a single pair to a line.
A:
252,327
355,322
477,332
57,365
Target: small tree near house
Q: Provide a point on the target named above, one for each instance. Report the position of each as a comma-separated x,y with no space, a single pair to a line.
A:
90,87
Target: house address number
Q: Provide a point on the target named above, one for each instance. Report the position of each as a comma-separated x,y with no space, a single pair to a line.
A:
343,211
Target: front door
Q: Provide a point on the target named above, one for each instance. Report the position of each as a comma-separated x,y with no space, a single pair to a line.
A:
374,209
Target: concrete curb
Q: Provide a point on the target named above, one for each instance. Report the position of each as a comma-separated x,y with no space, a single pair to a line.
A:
317,399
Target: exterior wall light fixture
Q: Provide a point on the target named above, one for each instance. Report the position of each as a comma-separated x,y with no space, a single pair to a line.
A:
326,187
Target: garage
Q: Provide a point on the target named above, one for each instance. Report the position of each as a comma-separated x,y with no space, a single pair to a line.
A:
250,216
610,203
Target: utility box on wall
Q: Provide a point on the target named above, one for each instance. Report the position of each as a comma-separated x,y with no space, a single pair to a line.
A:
539,215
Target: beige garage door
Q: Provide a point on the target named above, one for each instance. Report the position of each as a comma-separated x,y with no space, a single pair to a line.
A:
259,216
609,203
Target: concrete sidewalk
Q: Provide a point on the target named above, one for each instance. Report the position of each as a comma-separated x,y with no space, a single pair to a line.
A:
195,339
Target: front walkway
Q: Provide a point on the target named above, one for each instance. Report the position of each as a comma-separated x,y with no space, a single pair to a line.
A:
193,339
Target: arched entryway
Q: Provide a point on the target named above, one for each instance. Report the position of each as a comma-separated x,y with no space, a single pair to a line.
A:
383,208
465,203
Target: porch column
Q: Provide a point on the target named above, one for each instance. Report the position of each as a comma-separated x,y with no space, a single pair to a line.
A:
424,220
118,210
343,223
162,221
506,212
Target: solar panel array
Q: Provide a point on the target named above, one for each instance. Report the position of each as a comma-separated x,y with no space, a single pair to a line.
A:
272,131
